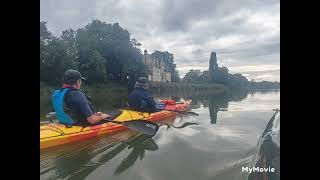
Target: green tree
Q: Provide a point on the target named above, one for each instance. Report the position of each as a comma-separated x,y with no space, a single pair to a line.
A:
121,54
220,75
204,77
54,58
56,62
45,35
237,80
192,76
69,37
175,76
94,69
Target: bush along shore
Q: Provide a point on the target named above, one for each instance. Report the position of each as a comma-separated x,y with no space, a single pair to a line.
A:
111,95
115,91
160,89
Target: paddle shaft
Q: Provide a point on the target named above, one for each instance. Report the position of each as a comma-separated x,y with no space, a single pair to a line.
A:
183,112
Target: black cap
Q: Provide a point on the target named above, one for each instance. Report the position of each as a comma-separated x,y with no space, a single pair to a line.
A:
142,80
72,75
141,83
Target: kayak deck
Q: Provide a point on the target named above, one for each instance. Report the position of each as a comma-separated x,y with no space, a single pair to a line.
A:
54,134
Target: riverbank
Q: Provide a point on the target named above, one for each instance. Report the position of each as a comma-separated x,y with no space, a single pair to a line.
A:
177,89
113,89
111,95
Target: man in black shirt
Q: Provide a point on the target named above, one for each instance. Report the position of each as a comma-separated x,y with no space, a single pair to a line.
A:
140,98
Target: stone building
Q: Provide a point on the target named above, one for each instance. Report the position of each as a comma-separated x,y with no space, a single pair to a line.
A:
157,69
213,65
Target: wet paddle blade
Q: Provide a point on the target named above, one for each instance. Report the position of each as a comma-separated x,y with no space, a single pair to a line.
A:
191,113
182,112
145,127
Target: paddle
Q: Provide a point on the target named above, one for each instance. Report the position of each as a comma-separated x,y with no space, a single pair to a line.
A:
142,126
182,112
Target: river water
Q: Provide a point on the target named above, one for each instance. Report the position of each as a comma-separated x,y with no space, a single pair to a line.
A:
214,145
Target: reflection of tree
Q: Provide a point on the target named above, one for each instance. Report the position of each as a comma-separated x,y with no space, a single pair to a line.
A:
265,91
69,164
170,120
215,103
213,114
182,126
195,104
139,145
237,94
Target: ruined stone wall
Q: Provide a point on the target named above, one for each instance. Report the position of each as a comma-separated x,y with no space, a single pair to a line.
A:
157,69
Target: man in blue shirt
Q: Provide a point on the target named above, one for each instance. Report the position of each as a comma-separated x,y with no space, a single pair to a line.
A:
72,106
140,98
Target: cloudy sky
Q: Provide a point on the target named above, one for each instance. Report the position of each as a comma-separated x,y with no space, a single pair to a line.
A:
245,34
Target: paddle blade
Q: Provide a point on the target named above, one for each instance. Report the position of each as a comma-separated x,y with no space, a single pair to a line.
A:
182,112
192,113
145,127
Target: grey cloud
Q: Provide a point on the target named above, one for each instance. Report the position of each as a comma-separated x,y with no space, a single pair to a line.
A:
188,29
179,14
62,15
259,50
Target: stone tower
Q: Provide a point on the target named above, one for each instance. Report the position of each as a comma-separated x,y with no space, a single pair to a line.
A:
213,65
145,56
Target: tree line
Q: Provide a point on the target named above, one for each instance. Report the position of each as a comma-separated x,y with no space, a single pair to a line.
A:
106,52
221,75
101,52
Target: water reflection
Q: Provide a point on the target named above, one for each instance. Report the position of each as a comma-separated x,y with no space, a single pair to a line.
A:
181,126
79,164
228,145
77,161
139,145
214,102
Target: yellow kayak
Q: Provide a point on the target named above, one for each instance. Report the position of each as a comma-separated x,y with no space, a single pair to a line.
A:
54,134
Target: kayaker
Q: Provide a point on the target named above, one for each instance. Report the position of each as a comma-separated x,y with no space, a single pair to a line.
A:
140,98
71,105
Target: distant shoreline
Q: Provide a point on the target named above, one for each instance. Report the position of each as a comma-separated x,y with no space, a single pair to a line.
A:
113,94
116,88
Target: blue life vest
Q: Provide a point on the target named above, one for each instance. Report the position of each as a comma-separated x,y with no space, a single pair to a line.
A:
57,101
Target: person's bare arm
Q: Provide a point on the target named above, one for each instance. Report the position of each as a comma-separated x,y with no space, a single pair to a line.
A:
95,118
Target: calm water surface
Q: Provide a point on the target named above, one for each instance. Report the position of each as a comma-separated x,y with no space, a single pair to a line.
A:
213,145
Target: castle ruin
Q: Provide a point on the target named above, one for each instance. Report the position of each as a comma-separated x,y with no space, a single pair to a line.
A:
157,69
